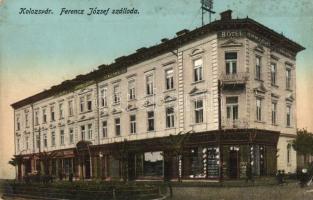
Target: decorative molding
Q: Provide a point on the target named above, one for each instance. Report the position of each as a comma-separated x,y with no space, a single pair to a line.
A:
148,103
261,90
168,63
231,43
169,98
276,96
274,57
196,52
131,75
196,91
290,98
116,81
259,48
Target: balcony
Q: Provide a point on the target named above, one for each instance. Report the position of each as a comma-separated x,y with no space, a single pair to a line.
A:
234,123
238,79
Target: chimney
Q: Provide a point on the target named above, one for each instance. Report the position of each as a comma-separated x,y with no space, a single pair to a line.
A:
226,15
182,32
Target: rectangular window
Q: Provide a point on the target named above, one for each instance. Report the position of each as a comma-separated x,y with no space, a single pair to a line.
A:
231,62
26,120
258,67
71,135
198,70
44,116
27,142
288,78
150,121
52,113
82,104
288,153
117,93
36,118
170,122
117,126
18,144
61,137
53,138
133,124
232,108
258,109
288,115
18,123
131,89
38,141
61,111
169,79
71,108
103,93
149,84
273,73
104,129
198,106
274,112
89,131
82,132
89,102
45,141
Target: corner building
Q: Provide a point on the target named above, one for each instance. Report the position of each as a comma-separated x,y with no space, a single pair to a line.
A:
231,84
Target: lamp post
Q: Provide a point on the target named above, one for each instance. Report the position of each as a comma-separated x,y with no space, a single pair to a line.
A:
100,159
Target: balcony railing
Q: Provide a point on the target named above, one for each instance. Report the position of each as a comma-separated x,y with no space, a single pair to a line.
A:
237,78
234,123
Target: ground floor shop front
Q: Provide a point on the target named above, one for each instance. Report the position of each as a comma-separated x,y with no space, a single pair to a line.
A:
210,155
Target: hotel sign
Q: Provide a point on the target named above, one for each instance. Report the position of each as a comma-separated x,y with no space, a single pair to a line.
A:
256,38
242,33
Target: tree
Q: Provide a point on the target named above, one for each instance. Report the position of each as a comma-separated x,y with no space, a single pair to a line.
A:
303,144
45,158
17,161
122,154
174,147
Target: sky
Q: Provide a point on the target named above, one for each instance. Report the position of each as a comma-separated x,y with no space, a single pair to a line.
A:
38,51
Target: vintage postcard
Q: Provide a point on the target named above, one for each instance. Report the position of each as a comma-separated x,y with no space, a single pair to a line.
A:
138,99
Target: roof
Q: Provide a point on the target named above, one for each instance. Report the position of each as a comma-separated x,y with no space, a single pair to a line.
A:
167,45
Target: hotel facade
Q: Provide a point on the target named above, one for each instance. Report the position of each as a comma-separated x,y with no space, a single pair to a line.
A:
230,85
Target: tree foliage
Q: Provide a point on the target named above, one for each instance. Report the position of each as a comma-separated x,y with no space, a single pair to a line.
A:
16,160
303,143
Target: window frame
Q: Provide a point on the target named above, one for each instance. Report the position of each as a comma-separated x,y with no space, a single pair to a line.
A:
117,126
62,137
71,135
198,110
229,63
133,124
258,67
149,84
170,117
274,74
149,118
116,94
169,79
198,70
53,142
258,109
104,129
288,115
131,89
231,108
274,112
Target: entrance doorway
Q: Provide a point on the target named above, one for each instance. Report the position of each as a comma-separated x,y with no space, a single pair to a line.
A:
234,163
87,167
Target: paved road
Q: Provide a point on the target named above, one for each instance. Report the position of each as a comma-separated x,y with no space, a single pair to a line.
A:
285,192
